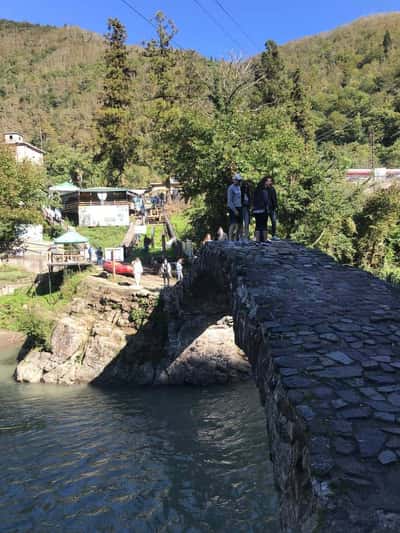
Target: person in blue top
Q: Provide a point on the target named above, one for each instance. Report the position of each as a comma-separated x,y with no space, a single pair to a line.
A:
234,202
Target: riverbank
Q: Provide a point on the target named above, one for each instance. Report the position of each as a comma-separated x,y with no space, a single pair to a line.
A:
8,339
115,333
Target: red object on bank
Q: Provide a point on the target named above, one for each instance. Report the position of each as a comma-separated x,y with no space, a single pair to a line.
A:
120,268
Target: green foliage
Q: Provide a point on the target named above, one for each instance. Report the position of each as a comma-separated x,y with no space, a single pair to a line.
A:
64,163
181,223
22,193
270,76
116,143
387,43
378,229
36,315
38,324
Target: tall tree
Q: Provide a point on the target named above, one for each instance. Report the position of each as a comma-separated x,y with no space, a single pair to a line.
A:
301,114
163,89
116,144
387,43
162,57
270,76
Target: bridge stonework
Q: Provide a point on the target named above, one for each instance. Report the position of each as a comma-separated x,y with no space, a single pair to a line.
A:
324,344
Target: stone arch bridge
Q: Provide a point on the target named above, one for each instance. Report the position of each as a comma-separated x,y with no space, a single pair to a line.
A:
323,341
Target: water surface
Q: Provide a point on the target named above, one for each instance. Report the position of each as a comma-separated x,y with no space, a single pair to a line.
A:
143,460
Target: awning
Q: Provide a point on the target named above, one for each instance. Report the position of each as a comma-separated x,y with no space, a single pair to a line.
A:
71,237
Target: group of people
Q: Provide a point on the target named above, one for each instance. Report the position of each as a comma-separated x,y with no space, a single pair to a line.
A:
165,271
262,203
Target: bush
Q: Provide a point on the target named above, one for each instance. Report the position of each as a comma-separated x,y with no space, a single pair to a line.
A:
38,325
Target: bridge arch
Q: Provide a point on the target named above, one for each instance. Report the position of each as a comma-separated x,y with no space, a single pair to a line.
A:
323,341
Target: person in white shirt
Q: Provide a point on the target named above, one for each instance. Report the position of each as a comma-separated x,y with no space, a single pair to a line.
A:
137,270
234,201
166,272
179,270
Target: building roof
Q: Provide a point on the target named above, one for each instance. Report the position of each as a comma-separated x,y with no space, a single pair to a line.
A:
66,186
22,142
105,189
32,146
71,237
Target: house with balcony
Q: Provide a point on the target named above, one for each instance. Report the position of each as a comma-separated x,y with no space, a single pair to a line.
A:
97,206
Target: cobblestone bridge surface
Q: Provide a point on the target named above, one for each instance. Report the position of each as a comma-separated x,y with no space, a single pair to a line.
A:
324,343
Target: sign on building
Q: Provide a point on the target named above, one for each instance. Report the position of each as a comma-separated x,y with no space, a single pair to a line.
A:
104,215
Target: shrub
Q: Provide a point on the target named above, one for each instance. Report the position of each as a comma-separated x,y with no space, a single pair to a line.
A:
38,325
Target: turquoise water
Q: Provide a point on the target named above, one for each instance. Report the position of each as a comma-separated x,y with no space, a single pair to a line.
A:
142,460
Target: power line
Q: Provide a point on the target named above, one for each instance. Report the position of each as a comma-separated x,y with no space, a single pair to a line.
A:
146,19
139,13
217,23
223,8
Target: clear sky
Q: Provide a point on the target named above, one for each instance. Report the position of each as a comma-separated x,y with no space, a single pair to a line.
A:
281,20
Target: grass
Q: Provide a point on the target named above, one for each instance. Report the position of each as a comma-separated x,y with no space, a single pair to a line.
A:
104,237
181,224
390,274
35,315
12,274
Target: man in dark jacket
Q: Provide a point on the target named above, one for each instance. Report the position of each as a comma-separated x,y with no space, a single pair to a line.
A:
272,207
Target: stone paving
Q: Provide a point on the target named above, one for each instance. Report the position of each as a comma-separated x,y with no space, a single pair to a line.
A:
324,343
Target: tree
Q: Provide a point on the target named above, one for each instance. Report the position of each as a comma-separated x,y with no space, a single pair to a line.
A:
64,163
378,219
387,43
116,144
270,76
162,57
22,194
301,114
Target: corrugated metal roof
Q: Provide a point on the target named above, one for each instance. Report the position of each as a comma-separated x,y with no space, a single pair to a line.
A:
105,189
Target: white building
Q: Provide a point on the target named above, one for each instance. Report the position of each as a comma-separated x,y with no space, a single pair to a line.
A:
23,151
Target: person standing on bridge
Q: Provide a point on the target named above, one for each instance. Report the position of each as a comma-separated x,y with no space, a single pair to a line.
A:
260,210
235,208
246,201
272,206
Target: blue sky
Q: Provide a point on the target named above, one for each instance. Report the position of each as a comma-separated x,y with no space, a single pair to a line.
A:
281,20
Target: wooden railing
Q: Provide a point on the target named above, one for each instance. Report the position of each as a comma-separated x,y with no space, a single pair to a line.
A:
66,258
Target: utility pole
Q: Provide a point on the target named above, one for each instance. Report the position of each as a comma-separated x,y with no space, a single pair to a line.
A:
372,148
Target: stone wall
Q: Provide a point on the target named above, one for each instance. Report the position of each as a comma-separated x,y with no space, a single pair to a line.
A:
323,341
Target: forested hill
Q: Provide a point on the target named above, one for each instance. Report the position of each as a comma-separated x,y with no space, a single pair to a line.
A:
353,77
51,78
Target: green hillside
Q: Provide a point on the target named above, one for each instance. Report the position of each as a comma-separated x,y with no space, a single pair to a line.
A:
51,79
354,85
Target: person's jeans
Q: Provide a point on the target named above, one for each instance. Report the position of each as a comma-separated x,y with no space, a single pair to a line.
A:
246,221
235,224
272,216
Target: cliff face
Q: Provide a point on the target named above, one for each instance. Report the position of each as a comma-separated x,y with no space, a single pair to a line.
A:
117,334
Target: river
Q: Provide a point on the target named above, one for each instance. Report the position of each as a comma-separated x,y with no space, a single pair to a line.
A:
142,460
